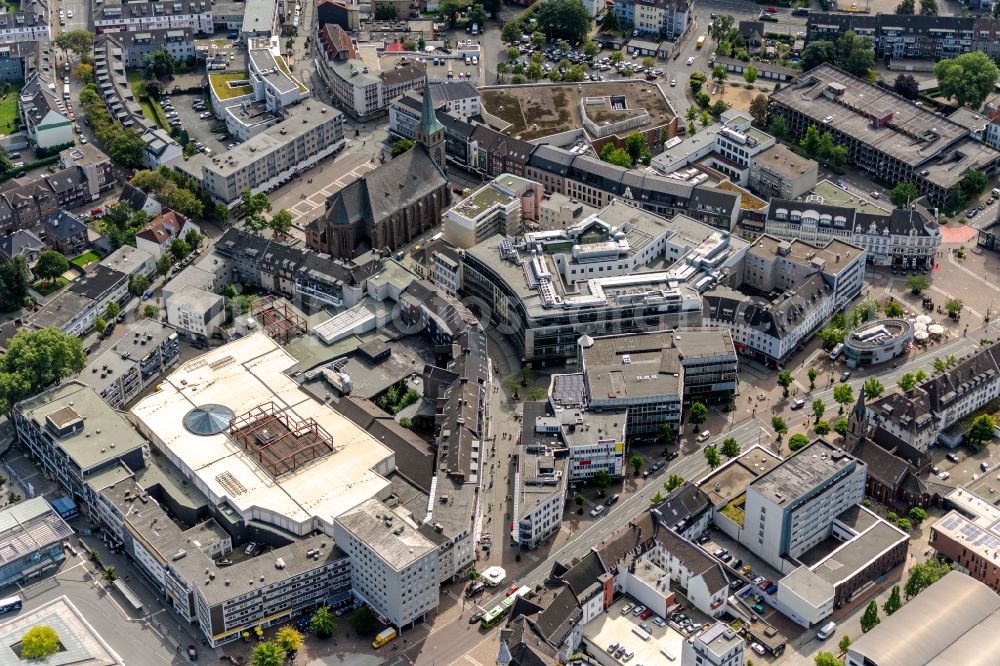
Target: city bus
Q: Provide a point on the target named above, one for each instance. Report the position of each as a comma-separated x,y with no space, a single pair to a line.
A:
10,604
497,613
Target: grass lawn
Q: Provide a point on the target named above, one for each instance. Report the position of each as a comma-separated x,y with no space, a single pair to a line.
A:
223,89
150,107
87,257
8,110
46,287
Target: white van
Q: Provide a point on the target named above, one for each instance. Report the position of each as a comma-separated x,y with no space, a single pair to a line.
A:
836,351
704,436
996,191
641,633
826,631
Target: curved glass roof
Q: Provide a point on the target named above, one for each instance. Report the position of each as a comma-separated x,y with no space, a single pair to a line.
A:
208,419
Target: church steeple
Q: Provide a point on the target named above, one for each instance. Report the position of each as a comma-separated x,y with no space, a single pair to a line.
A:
430,132
857,423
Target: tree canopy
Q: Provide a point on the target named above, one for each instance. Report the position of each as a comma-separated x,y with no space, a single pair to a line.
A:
35,359
980,431
252,207
906,86
562,19
923,575
850,52
51,264
903,194
968,78
322,622
267,654
122,144
39,642
697,414
712,457
159,64
797,441
80,42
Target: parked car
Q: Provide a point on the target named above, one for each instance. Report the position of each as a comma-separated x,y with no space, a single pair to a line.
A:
953,457
611,501
758,648
704,538
845,375
646,614
251,547
475,617
758,608
757,580
690,61
638,610
597,510
659,621
192,652
720,552
626,608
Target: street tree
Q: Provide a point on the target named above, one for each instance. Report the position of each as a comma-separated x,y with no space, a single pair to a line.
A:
873,388
968,78
80,42
50,265
822,428
923,575
673,482
812,373
750,75
917,283
797,441
39,642
269,653
364,620
894,309
810,141
818,409
289,638
825,658
109,574
151,312
511,33
973,182
893,603
697,414
903,194
953,306
252,208
870,618
666,434
322,622
602,479
917,515
179,248
113,310
928,7
637,462
730,447
843,394
579,499
280,223
100,324
784,381
163,264
779,426
712,457
907,382
840,427
906,7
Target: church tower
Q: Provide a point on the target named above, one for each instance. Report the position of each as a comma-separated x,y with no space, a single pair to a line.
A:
430,133
857,424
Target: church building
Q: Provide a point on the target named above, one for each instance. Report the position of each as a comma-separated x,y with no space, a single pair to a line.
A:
392,204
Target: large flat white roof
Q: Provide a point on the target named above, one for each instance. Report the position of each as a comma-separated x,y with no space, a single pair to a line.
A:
242,375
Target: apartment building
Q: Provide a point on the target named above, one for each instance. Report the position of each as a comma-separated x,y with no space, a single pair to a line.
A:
308,134
138,359
540,483
393,566
271,78
72,434
136,45
197,314
727,146
157,236
900,36
492,153
595,183
778,172
904,238
921,417
668,19
791,508
43,113
364,94
718,645
27,26
886,135
811,282
499,207
458,99
195,15
96,170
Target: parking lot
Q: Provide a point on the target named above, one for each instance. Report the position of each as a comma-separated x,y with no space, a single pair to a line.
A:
198,129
